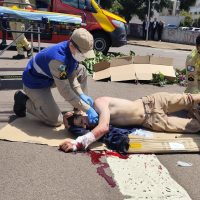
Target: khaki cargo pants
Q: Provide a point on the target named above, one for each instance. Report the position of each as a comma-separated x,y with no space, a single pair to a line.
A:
21,41
158,108
42,105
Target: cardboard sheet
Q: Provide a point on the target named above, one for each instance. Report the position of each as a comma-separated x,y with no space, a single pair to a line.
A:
164,143
31,130
136,68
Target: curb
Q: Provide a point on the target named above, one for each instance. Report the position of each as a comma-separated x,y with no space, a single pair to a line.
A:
180,49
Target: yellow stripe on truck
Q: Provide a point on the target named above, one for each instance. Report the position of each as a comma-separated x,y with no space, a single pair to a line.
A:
107,13
104,22
102,19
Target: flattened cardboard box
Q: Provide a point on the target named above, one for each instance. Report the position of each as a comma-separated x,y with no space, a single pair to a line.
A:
164,143
122,69
102,69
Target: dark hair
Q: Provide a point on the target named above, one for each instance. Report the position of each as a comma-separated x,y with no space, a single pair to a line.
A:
74,129
198,40
70,120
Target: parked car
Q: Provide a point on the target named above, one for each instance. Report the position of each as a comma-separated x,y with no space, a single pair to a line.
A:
171,26
195,29
184,28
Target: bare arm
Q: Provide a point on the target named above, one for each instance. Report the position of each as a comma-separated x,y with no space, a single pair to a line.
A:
101,105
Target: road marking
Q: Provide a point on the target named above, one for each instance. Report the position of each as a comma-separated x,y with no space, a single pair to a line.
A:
144,177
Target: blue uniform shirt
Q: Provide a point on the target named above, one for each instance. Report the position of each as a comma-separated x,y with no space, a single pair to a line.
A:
37,73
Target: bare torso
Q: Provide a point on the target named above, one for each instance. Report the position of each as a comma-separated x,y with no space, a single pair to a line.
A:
124,112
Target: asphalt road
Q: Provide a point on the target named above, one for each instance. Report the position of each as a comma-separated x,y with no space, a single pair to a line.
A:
30,171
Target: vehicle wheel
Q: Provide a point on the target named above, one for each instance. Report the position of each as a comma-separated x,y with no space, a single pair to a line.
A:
101,42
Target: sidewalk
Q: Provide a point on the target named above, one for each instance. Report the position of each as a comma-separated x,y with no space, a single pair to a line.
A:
161,45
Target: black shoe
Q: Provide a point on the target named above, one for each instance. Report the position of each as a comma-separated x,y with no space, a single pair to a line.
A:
19,107
3,43
18,57
29,53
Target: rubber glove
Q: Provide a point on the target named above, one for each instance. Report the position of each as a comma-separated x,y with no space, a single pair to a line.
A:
92,116
87,99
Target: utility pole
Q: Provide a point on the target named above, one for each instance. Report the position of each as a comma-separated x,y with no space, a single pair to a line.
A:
148,16
174,8
148,20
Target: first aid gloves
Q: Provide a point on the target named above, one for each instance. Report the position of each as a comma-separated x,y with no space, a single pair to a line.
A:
87,99
92,116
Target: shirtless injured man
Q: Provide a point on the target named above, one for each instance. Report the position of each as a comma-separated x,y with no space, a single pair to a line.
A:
154,112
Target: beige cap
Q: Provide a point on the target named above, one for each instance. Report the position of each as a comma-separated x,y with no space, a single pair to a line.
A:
83,41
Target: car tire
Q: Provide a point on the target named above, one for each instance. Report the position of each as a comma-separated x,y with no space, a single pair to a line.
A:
101,42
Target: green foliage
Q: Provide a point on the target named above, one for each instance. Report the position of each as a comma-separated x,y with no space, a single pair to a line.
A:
99,56
128,8
116,7
196,22
184,13
188,21
159,79
185,4
180,77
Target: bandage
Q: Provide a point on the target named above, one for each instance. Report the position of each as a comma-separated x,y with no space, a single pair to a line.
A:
82,142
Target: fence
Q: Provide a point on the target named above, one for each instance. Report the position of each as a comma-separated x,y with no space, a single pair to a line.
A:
175,35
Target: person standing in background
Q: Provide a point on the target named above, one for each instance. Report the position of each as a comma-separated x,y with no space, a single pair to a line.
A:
160,29
154,26
21,42
144,28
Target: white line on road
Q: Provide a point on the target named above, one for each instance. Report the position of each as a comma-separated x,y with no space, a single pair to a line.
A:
143,177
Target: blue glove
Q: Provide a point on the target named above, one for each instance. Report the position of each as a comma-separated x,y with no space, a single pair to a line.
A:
87,99
92,116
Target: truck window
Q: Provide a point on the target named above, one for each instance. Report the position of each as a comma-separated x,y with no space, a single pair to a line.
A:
73,3
43,4
81,4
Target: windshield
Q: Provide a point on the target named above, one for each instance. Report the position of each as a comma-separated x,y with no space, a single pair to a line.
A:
98,2
81,4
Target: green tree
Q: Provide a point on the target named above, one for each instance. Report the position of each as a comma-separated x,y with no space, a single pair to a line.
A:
107,4
185,4
128,8
188,21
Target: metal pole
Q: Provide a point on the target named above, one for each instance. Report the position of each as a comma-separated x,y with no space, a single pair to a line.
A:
32,40
148,20
38,38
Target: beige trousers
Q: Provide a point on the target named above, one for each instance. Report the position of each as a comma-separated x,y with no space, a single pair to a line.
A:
158,108
21,41
42,105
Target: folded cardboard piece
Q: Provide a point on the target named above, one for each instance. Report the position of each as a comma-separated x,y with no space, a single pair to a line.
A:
164,143
31,130
134,68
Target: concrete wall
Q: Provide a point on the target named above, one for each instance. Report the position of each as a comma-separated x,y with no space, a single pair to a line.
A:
169,35
179,36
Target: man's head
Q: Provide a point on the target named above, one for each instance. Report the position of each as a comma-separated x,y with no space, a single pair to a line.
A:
198,43
81,44
77,120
